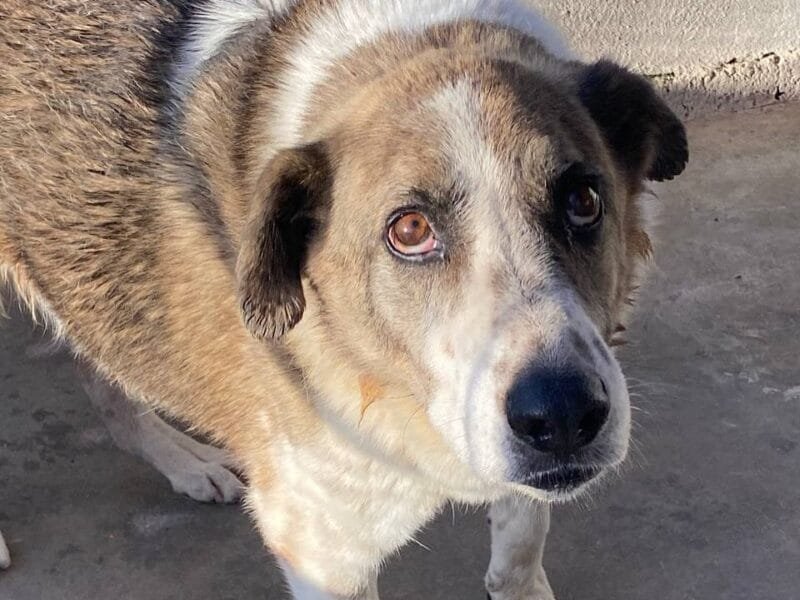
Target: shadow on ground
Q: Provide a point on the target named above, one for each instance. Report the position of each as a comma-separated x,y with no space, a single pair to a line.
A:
708,507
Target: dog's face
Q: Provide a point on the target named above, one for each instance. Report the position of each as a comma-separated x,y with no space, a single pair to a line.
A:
470,233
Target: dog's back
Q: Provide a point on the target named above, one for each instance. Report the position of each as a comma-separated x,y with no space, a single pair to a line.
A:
96,237
75,163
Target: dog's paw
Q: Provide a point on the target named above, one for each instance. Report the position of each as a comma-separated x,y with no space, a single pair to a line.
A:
207,474
5,556
208,453
206,482
537,588
532,595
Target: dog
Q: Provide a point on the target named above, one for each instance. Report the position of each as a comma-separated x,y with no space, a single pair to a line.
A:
378,250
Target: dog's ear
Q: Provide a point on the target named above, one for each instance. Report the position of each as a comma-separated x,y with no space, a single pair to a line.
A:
646,137
287,211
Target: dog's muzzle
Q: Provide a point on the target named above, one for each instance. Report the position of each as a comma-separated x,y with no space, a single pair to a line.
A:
557,413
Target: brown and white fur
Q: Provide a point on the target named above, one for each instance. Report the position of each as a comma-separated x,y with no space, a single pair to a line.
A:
195,195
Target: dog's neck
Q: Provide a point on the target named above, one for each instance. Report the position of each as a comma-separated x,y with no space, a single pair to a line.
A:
326,32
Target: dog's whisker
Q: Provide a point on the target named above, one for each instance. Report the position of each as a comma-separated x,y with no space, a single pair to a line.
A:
414,540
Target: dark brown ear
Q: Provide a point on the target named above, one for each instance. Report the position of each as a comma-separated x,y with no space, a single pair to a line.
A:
646,137
286,213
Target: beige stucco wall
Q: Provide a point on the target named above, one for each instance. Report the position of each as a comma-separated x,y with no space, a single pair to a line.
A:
705,55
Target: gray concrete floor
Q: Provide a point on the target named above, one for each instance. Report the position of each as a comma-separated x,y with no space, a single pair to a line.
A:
709,507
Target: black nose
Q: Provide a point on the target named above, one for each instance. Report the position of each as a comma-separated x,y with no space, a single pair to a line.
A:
557,412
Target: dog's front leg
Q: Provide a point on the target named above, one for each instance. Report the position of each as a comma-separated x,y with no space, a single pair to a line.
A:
201,472
5,556
305,590
519,528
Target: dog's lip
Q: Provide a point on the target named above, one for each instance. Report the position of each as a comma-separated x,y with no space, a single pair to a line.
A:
562,479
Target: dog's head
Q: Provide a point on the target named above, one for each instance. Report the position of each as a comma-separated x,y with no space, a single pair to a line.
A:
471,229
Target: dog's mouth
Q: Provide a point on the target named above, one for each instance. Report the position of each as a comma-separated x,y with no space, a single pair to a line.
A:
561,480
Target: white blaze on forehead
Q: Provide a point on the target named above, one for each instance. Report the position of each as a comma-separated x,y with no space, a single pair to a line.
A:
503,239
350,24
459,118
465,409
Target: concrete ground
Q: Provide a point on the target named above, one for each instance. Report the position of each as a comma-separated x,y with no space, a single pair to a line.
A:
709,507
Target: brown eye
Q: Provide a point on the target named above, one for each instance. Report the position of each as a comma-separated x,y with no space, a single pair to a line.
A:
411,235
584,208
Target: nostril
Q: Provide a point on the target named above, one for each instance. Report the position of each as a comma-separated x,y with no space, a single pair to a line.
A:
540,432
592,422
539,428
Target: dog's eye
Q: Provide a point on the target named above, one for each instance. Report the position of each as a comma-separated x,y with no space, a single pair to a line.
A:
584,207
411,235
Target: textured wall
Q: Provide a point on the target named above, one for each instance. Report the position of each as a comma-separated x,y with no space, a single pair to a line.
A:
705,55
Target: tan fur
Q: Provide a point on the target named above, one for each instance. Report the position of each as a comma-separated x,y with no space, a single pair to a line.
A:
371,390
138,244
